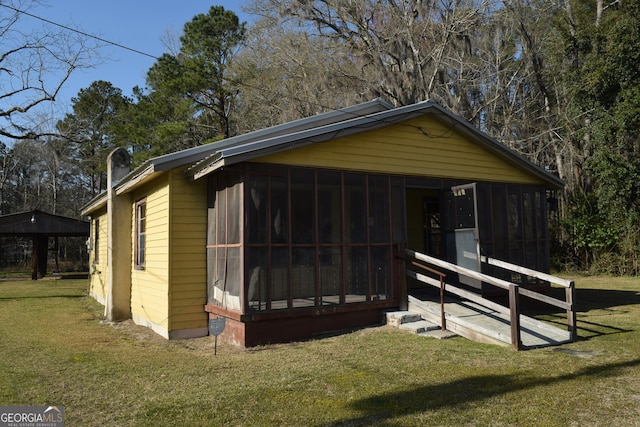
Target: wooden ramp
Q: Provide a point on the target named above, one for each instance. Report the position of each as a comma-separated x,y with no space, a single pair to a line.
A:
469,314
482,324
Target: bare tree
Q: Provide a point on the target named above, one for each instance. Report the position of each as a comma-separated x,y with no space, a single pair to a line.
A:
405,51
284,74
36,59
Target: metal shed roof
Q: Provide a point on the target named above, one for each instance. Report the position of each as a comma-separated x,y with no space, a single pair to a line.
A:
38,223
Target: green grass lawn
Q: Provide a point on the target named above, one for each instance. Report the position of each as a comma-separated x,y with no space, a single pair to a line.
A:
55,350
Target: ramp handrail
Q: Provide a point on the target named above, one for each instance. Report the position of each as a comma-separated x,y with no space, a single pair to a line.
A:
569,285
514,290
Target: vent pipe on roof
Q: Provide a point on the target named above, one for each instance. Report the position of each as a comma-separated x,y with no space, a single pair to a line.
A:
118,165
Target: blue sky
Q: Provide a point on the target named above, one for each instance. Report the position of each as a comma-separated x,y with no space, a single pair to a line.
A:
137,24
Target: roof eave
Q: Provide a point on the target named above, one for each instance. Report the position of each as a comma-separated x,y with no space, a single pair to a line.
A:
139,178
94,204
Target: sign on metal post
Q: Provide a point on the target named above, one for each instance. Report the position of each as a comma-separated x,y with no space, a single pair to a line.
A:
216,326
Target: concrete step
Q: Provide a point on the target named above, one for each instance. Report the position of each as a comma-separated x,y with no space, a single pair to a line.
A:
414,322
438,334
419,327
397,318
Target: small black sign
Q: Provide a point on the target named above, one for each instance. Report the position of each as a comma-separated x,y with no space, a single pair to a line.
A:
216,326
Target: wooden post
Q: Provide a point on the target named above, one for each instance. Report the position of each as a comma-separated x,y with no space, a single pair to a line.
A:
514,305
34,258
56,248
571,312
43,255
40,249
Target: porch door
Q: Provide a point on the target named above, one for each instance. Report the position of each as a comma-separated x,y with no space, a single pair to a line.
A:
466,231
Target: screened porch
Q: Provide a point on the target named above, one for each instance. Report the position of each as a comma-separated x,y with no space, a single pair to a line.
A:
310,238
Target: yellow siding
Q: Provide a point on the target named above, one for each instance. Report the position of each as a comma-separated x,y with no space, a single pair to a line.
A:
422,146
150,286
170,293
99,271
188,292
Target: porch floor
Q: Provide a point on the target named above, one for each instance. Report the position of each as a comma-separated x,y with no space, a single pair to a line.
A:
483,324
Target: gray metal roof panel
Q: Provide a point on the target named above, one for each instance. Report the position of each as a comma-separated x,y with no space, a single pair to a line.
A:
323,127
37,222
197,154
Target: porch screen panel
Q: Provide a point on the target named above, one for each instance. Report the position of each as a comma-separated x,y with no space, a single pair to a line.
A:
329,207
227,279
528,219
540,211
355,208
514,220
279,219
517,232
256,278
211,211
234,211
330,275
211,275
257,223
303,276
312,237
528,215
397,213
234,278
357,267
379,216
381,273
499,212
224,257
542,230
221,211
499,246
279,277
212,225
536,242
303,206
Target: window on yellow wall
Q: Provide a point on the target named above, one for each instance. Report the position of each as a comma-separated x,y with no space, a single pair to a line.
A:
140,230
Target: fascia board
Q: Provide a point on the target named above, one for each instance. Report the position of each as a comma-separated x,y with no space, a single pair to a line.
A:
94,204
135,179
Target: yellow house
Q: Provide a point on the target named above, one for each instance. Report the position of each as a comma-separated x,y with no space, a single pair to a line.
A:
290,231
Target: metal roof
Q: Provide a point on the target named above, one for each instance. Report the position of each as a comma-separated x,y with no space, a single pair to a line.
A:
253,149
152,167
37,222
322,127
198,154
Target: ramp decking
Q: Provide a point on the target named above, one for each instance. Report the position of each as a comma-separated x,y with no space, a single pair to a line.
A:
483,324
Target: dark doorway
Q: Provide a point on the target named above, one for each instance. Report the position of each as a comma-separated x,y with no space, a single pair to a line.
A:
424,233
424,227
